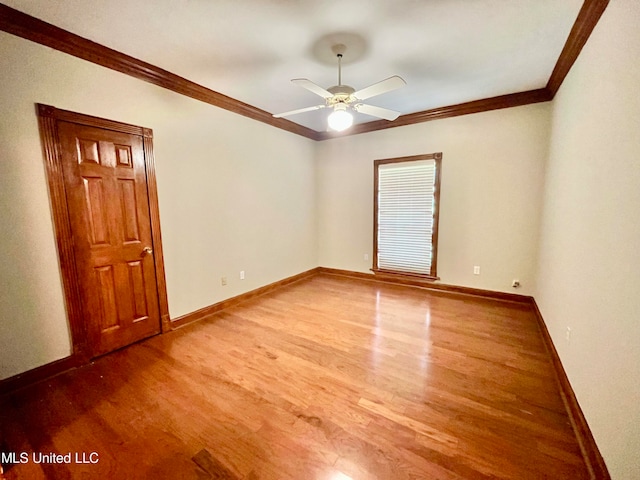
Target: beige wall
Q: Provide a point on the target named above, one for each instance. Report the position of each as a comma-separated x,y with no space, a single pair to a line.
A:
235,194
588,275
492,172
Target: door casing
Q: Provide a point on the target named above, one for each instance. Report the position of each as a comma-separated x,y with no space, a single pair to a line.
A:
48,118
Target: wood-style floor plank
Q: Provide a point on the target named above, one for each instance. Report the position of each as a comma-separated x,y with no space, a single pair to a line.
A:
329,378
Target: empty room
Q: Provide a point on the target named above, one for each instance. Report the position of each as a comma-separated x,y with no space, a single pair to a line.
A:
338,240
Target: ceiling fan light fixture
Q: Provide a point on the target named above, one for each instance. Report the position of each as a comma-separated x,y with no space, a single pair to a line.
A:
340,119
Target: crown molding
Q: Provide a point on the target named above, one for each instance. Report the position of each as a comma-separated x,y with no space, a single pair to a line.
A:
30,28
586,21
476,106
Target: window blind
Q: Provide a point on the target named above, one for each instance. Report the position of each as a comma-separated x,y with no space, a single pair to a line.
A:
406,207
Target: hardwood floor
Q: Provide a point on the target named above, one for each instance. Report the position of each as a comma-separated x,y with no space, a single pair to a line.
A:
326,379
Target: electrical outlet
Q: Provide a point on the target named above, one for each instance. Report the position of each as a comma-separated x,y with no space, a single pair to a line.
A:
476,270
366,256
515,283
242,275
223,281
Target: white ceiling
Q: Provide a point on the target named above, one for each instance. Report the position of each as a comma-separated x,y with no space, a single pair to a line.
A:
448,51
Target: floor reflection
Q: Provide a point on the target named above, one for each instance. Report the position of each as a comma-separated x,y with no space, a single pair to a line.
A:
400,338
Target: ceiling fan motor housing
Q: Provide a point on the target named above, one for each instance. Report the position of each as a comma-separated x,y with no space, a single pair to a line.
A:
341,94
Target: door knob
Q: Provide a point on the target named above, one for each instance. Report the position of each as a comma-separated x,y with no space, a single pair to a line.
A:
147,251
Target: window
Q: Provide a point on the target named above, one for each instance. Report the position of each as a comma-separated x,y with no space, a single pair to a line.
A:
406,205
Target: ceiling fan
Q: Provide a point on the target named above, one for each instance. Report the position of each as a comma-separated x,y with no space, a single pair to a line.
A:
343,98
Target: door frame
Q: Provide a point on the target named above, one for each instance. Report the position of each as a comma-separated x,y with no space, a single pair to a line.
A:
48,118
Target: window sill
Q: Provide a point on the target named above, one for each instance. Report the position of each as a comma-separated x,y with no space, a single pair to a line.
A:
405,275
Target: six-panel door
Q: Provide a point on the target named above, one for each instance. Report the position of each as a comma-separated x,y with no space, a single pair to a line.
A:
106,187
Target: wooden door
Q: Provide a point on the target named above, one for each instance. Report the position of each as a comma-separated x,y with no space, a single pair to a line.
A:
108,204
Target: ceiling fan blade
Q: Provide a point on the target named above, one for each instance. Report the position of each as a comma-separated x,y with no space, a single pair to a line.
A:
376,111
379,88
300,110
312,87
